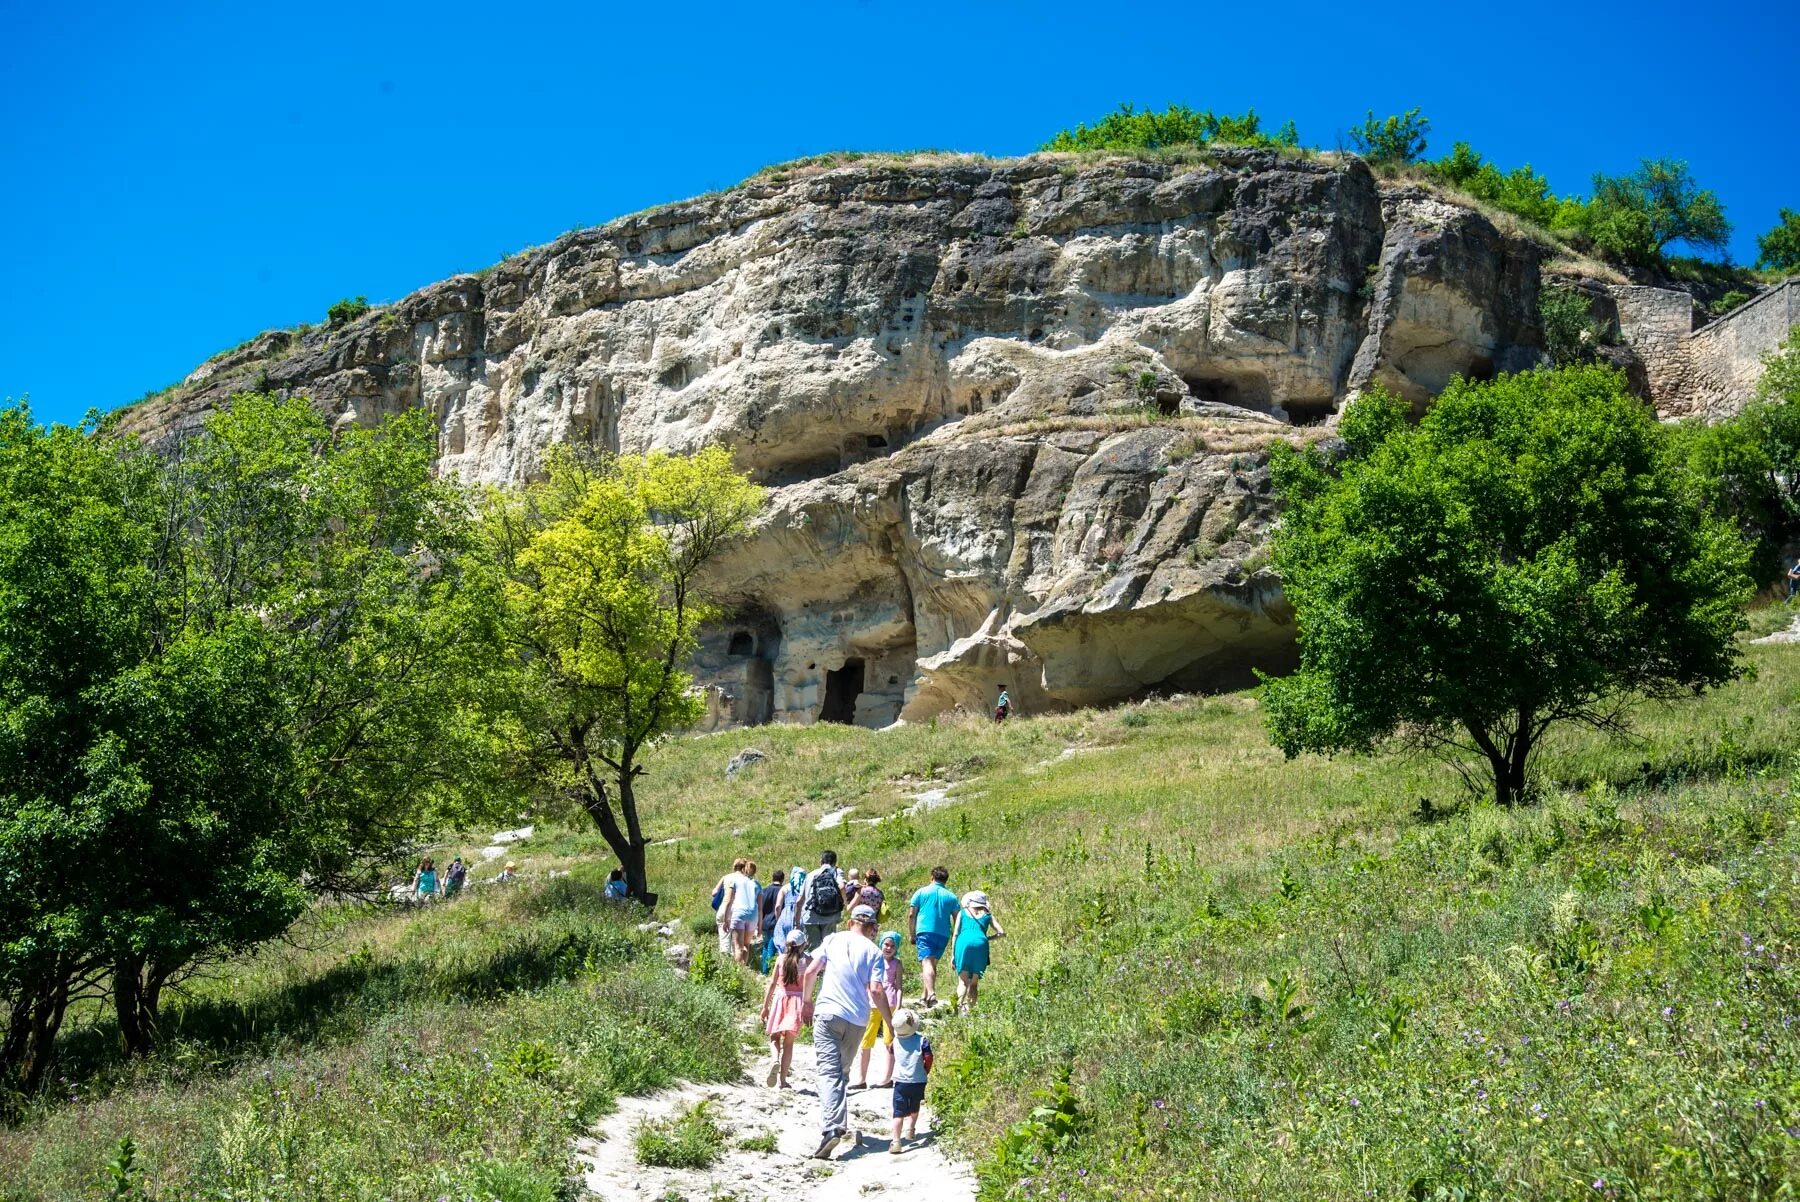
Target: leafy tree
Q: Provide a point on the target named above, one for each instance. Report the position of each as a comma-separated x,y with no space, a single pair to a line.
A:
1526,555
1393,139
1779,249
604,565
1633,218
240,669
343,312
1127,128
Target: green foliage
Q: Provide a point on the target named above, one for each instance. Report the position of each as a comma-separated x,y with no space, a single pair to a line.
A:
343,312
1779,249
1127,128
1634,218
1527,555
1728,302
1393,139
688,1139
763,1141
1570,332
1522,191
228,669
604,595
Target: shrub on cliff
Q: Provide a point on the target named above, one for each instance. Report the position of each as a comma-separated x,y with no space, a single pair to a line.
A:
1394,139
1527,555
1634,218
343,312
1779,249
1127,128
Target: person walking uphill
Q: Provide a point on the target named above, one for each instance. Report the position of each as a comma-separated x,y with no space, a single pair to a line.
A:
930,919
851,982
976,927
823,904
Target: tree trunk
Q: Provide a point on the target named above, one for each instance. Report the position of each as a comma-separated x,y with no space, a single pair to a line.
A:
31,1028
633,846
137,998
628,847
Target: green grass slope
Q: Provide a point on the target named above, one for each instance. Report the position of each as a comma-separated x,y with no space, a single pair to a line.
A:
1227,975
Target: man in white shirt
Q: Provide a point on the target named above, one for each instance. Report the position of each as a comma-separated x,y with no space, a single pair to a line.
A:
850,981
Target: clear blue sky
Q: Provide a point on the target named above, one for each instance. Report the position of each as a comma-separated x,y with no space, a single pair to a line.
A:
175,178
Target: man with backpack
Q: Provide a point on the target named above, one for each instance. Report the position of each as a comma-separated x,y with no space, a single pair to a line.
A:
823,906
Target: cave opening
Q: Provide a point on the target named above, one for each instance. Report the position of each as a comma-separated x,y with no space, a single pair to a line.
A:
842,687
742,643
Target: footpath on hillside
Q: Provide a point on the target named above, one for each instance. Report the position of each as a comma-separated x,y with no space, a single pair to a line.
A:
746,1111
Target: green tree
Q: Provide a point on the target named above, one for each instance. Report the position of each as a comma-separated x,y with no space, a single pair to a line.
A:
1127,128
605,591
345,311
1526,555
1393,139
1633,218
235,670
1779,249
1570,332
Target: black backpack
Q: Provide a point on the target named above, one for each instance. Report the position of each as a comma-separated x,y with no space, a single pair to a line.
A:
827,899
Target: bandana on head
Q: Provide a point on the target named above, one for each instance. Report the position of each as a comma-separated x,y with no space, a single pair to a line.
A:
891,937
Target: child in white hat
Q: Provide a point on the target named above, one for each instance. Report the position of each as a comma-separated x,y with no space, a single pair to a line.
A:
912,1065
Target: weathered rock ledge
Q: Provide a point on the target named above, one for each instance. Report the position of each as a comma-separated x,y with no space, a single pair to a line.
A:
1015,413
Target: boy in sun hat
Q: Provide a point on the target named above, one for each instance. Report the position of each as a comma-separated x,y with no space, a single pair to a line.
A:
912,1065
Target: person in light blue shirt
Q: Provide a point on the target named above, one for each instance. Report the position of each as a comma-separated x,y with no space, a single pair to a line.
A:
931,915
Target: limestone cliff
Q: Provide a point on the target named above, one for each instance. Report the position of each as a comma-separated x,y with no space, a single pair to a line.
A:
1015,413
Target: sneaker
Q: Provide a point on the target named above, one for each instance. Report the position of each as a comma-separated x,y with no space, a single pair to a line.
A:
894,1148
826,1145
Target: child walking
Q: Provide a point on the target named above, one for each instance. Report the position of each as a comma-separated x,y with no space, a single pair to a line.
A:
912,1065
783,1008
877,1029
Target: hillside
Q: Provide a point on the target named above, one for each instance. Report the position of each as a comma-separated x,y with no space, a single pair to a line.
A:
1014,412
1230,975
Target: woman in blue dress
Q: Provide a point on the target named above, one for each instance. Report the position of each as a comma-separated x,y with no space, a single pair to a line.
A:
976,927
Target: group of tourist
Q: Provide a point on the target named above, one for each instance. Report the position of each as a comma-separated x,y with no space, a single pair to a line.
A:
848,984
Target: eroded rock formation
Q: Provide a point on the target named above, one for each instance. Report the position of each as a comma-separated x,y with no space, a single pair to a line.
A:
1015,414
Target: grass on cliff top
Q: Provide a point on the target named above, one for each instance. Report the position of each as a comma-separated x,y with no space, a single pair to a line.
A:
1226,974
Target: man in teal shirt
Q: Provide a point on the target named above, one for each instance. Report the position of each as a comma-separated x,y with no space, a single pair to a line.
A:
931,914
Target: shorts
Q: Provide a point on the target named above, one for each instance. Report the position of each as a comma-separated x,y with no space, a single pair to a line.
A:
931,944
909,1098
746,925
878,1027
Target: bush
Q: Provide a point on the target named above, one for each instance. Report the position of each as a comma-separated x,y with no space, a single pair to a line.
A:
1393,139
1634,218
1522,191
688,1139
1126,128
1728,302
1570,333
346,311
1779,249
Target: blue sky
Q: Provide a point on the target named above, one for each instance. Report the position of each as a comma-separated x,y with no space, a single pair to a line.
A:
174,179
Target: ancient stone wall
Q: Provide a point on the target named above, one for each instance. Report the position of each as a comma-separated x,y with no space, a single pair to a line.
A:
1708,372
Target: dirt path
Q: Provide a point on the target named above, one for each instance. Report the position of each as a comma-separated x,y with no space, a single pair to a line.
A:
922,1173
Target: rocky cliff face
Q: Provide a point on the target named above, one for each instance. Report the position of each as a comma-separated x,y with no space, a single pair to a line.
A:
1015,414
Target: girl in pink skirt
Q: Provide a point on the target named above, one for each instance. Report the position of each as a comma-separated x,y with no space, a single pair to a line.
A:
783,1008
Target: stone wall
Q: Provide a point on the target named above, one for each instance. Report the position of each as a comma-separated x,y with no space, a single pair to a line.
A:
1710,372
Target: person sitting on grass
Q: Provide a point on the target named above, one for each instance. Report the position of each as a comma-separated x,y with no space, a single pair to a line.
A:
912,1065
878,1025
425,880
615,885
930,918
783,1005
976,927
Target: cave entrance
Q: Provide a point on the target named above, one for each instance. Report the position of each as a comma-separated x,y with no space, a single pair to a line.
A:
842,687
